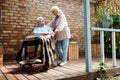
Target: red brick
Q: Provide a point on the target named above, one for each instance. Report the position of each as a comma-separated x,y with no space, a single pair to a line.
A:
10,49
7,31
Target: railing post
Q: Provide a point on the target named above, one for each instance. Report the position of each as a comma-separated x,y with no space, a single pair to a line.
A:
87,36
102,45
113,49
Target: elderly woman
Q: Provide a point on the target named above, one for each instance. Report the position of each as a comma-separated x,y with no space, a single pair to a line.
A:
62,33
41,28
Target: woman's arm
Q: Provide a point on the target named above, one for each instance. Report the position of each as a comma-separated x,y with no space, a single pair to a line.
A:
51,23
61,24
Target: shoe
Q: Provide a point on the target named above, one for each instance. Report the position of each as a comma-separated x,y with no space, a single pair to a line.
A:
22,62
37,61
58,62
63,63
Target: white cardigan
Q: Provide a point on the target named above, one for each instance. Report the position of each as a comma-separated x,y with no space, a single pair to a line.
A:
62,26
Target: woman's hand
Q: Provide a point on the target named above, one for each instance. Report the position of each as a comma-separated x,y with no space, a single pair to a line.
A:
57,32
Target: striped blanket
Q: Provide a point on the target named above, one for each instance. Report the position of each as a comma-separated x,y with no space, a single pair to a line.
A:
37,50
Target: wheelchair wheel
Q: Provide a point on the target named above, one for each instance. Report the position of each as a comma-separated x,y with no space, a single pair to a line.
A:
45,68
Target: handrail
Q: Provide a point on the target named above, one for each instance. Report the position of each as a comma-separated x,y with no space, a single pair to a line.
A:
105,29
102,42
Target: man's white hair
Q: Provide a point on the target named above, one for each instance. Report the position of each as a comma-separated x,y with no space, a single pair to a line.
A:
57,9
40,18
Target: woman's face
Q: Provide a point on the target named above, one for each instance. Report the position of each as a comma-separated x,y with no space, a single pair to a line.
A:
55,13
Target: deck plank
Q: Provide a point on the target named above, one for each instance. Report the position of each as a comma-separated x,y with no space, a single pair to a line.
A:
2,77
34,75
19,76
27,73
41,77
8,75
60,73
58,76
31,77
67,71
76,64
49,76
72,68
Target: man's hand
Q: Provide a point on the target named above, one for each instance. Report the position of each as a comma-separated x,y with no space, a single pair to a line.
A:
43,37
48,36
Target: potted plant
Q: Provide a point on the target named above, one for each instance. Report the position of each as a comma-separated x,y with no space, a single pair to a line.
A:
73,50
103,18
96,38
73,39
96,45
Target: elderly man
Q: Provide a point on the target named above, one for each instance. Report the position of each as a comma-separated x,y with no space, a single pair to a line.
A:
30,51
41,29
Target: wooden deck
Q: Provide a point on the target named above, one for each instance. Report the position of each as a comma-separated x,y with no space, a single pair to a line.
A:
12,71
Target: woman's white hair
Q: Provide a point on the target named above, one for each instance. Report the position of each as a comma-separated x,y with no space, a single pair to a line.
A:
57,9
40,18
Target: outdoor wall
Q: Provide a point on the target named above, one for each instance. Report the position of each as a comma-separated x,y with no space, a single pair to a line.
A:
18,19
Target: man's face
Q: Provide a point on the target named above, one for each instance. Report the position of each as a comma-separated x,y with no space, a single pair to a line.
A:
41,22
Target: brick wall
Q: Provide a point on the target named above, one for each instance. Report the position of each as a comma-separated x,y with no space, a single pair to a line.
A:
18,19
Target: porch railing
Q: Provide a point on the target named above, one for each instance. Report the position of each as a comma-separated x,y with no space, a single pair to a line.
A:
102,30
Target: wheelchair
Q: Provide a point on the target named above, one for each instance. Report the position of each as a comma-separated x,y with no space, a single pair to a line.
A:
31,53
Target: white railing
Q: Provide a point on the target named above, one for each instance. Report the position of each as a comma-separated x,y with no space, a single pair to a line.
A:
102,30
